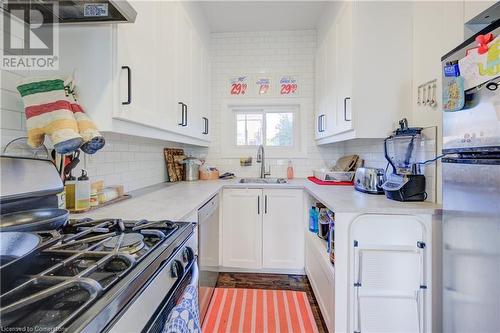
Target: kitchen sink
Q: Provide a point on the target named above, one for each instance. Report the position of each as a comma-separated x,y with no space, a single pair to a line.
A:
263,181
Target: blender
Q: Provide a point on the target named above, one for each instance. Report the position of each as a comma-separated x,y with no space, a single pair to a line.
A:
406,182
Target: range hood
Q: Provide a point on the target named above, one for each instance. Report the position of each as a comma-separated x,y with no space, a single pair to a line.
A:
76,12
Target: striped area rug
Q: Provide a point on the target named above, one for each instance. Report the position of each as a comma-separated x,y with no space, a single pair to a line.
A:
256,310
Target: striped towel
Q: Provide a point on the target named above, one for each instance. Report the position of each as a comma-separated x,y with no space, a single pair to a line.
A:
48,112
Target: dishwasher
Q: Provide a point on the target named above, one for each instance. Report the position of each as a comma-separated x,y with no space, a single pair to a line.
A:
208,252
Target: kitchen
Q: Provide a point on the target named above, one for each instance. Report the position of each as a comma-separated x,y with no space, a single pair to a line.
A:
251,166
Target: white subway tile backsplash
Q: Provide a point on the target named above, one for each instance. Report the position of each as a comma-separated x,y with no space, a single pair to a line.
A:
287,52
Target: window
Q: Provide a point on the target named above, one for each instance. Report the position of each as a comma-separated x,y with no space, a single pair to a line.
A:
268,126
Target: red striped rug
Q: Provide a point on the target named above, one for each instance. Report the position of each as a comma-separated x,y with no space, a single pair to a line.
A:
256,310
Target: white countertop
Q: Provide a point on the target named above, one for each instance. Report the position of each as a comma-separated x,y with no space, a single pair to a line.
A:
177,201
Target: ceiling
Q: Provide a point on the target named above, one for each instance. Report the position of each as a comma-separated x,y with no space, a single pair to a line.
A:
233,16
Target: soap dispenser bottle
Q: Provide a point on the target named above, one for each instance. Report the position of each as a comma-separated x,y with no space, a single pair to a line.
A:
82,192
289,170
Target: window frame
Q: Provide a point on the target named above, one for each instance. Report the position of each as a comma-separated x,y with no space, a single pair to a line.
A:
300,108
264,111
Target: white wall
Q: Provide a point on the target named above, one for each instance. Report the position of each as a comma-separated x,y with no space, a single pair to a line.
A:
278,52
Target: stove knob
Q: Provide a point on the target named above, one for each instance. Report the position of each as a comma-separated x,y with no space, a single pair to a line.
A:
176,269
187,254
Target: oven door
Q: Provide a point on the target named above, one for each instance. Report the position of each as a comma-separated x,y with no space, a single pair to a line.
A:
191,277
149,310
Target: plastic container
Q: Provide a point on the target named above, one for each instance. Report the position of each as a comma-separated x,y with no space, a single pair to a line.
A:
82,192
333,176
325,216
313,219
331,242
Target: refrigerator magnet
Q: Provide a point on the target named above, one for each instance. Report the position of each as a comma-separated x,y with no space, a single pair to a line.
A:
453,94
451,69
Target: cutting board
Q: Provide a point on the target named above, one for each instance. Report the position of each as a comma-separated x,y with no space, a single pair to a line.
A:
174,169
322,182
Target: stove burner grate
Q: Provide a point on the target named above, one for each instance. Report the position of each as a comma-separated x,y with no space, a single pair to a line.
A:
129,243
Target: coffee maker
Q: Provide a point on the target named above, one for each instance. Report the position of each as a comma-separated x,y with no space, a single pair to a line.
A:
406,182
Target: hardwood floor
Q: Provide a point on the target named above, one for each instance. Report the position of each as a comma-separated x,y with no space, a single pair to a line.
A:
277,282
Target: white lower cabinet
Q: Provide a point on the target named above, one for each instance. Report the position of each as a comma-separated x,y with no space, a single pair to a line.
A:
321,275
282,235
242,228
262,229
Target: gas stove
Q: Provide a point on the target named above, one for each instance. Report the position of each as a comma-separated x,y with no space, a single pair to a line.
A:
90,273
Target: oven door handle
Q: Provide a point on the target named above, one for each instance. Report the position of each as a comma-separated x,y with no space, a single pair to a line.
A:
195,272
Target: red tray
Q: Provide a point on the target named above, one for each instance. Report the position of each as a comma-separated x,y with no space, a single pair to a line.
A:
322,182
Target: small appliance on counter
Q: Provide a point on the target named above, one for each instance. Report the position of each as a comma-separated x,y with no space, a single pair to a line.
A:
406,182
369,180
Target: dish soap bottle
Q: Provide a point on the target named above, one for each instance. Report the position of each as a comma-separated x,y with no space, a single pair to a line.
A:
82,192
289,170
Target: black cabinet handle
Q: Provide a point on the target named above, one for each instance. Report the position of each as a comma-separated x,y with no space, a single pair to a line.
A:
185,121
129,85
258,205
345,108
265,204
321,127
205,124
182,113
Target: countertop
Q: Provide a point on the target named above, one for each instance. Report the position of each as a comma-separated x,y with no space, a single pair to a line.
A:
177,201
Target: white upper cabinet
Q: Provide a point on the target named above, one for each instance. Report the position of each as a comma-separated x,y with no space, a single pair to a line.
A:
369,90
320,93
137,57
141,78
344,73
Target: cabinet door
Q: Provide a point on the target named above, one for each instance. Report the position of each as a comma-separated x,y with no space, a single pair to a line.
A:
167,103
138,65
344,69
331,82
282,229
321,116
204,93
184,62
242,228
195,124
322,277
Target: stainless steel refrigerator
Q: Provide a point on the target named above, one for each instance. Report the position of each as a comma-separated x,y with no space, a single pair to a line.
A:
471,200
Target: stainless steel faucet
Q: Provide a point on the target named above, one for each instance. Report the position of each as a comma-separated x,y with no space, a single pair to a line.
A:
261,158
